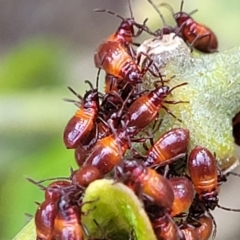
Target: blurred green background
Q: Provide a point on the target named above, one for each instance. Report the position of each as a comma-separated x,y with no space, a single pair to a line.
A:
46,46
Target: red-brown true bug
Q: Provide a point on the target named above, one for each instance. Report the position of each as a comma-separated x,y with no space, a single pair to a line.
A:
146,108
205,230
84,121
85,175
113,143
44,220
84,147
80,155
206,177
46,212
55,189
112,109
111,83
153,185
164,226
197,210
200,228
67,222
108,151
203,170
197,35
190,233
103,130
183,195
115,60
125,32
116,56
170,146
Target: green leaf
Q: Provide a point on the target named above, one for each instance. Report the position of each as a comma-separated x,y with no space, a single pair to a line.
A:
27,233
117,211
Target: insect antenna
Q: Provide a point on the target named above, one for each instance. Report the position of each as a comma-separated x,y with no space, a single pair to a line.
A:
166,5
109,12
159,13
38,183
177,86
181,6
228,209
130,9
89,83
75,93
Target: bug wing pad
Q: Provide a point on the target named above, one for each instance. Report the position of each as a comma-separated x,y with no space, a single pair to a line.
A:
76,129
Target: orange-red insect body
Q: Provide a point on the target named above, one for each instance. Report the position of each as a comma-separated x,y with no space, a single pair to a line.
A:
67,222
103,130
111,83
146,108
85,175
55,190
165,228
44,220
169,146
197,35
83,122
84,147
80,155
183,194
202,167
113,57
152,184
108,151
190,233
47,211
206,178
205,230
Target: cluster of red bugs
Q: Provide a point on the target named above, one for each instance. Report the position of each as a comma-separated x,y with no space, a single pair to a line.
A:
177,189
